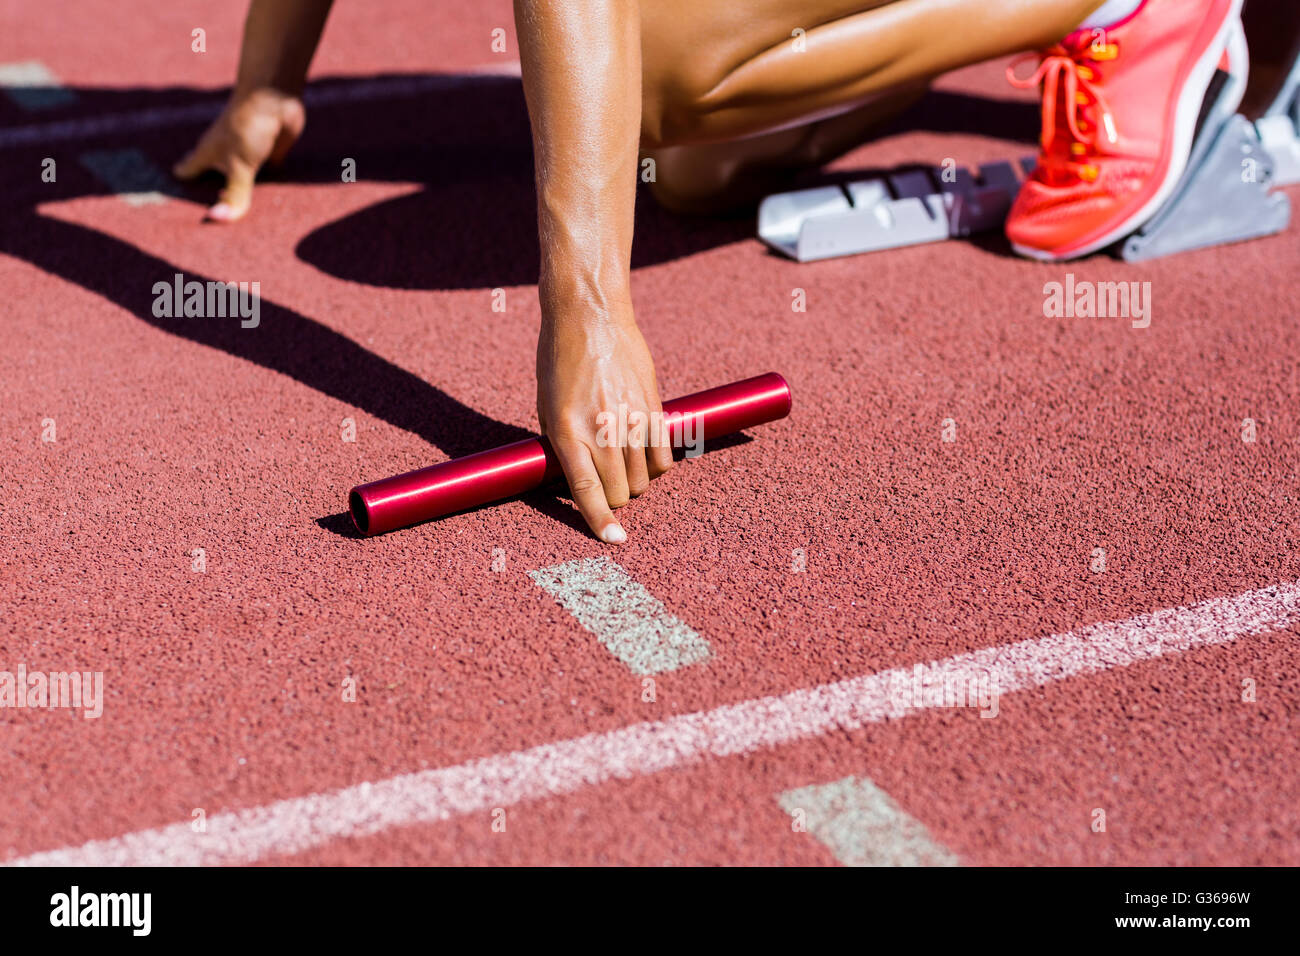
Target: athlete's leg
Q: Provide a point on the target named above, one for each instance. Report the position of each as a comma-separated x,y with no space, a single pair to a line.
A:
1273,36
713,178
737,96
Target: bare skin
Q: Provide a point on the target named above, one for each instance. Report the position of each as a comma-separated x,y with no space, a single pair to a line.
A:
719,94
265,115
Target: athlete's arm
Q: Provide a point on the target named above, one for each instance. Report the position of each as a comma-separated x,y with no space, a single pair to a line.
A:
582,78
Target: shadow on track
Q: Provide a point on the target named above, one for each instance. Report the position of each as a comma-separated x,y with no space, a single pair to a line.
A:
471,226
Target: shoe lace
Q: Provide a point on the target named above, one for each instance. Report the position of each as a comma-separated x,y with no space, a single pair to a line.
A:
1070,68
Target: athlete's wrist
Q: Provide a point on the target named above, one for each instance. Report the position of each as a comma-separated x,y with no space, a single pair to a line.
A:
586,300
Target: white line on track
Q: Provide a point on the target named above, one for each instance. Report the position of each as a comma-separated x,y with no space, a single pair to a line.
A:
159,117
33,87
863,826
130,174
624,616
563,767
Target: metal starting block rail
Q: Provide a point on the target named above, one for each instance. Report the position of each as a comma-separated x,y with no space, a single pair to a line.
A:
1226,195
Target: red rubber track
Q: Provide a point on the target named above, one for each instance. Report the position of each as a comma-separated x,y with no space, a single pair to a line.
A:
223,687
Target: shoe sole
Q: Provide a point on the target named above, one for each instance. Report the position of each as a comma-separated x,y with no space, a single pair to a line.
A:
1185,117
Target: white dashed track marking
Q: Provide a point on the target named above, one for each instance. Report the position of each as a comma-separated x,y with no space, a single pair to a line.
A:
130,174
33,87
568,766
863,826
624,616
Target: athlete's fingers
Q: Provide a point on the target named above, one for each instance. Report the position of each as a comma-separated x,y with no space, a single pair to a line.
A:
294,119
613,475
634,463
283,143
659,457
587,490
196,161
234,200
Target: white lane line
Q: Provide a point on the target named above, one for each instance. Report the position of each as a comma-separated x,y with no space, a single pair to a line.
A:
33,87
130,174
863,826
624,616
301,823
160,117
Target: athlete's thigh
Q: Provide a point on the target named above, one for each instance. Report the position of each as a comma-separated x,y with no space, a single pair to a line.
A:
690,47
714,71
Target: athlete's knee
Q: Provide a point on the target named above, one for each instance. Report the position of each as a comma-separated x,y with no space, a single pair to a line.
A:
680,182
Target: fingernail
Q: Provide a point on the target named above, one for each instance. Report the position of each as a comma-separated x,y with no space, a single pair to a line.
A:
222,212
613,534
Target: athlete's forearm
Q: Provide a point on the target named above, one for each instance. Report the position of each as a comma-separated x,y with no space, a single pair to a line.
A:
582,78
280,38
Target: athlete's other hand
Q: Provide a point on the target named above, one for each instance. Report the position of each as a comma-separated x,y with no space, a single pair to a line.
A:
254,129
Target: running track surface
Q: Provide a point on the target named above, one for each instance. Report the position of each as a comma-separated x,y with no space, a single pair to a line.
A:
781,573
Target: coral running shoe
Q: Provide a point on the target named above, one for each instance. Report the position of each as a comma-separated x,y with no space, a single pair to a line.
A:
1120,109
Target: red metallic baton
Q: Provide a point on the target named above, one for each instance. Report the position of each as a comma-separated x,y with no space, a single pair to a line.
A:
524,465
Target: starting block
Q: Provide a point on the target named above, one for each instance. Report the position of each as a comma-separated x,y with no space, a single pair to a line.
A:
1279,129
926,204
1224,196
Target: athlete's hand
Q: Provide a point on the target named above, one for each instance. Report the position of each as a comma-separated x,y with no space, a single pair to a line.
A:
255,128
586,368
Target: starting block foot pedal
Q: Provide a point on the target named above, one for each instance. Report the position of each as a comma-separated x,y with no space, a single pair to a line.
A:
905,208
1224,198
1223,195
